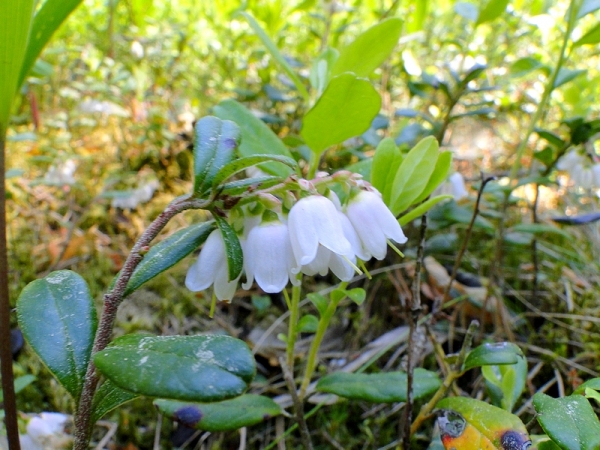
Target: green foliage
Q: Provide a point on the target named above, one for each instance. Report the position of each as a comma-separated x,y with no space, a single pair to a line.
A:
233,248
569,421
58,319
200,368
379,387
243,411
108,397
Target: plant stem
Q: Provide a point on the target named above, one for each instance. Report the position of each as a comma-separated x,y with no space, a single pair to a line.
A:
298,406
455,372
316,343
112,300
413,315
293,326
6,368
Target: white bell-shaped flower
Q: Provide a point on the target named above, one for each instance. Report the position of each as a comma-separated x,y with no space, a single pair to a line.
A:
314,221
211,268
374,223
268,257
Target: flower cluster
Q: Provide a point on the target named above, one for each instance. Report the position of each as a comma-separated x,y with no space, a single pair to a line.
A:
316,234
581,171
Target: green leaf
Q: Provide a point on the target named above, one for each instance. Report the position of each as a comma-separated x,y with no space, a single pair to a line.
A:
47,20
58,319
386,387
20,383
422,209
593,383
357,295
413,175
189,368
346,109
569,421
319,301
552,138
386,161
439,175
371,48
168,252
320,71
243,163
566,75
257,137
470,424
216,141
308,324
541,228
592,37
274,51
109,397
15,22
523,66
240,186
243,411
589,393
491,11
233,248
491,354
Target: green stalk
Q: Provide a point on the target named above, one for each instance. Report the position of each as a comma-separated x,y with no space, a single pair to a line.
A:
293,326
313,165
316,343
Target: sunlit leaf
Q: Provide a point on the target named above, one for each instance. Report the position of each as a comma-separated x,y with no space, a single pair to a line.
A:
525,65
386,161
422,209
439,175
592,37
565,75
243,411
491,10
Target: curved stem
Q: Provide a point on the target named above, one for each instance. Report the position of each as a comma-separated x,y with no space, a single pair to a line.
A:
316,343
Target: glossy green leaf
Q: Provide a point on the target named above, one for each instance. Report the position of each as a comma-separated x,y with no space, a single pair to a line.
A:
46,21
569,421
386,387
386,161
257,137
243,163
189,368
346,109
371,48
565,75
58,319
109,397
413,174
422,209
277,56
168,252
592,37
216,141
15,22
491,354
233,248
319,301
308,324
491,10
439,175
470,424
243,411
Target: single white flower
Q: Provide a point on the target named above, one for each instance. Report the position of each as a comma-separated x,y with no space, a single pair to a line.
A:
268,257
569,161
211,268
314,221
374,223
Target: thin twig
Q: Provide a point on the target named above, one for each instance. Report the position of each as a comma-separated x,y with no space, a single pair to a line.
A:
413,315
298,406
157,432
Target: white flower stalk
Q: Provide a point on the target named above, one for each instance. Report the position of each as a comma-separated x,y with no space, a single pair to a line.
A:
211,269
268,257
374,223
314,221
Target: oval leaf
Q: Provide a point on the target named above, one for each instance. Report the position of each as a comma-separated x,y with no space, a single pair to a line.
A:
243,411
190,368
413,175
167,253
569,421
346,109
243,163
369,49
58,319
386,160
109,397
439,175
491,354
257,138
233,248
216,141
470,424
386,387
